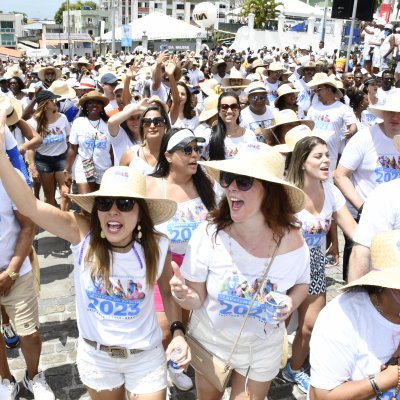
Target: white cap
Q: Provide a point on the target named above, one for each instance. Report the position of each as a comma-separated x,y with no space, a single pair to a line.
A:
183,137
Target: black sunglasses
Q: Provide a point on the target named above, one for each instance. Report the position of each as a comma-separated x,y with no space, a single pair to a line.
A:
105,204
157,122
243,183
188,150
226,107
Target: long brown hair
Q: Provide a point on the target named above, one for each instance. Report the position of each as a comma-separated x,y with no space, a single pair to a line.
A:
275,207
99,254
41,118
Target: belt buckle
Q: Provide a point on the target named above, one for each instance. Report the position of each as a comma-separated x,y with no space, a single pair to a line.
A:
117,352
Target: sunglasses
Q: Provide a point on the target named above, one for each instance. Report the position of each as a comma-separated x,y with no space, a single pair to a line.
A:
123,204
226,107
188,150
243,183
157,122
261,98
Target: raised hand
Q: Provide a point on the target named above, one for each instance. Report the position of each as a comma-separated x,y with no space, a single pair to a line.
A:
179,289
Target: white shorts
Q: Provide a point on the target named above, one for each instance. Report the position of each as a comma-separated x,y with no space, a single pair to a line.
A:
376,58
263,355
140,373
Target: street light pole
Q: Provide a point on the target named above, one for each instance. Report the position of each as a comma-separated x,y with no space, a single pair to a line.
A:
69,33
322,39
113,5
353,22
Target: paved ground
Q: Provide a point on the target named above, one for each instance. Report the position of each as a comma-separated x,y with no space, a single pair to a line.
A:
59,331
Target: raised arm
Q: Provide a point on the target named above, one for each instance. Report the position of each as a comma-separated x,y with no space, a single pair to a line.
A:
157,73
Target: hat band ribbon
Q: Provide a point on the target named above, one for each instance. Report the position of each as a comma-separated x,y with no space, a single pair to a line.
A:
11,113
87,85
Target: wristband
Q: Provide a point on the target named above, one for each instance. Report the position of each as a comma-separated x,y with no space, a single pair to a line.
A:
375,386
175,326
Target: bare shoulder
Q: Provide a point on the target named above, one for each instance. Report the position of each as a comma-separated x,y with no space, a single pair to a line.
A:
292,240
127,157
152,187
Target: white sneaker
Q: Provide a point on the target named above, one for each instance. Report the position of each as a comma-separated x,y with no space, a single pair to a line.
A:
38,387
8,389
180,380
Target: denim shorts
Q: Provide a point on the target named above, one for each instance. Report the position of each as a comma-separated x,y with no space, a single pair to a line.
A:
50,164
140,373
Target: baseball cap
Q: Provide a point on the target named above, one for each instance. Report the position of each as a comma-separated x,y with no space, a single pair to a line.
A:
46,95
182,138
109,78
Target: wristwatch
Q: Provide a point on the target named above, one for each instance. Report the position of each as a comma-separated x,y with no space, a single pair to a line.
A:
13,275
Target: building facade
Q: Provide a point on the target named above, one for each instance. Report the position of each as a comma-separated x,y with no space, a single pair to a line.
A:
93,22
10,29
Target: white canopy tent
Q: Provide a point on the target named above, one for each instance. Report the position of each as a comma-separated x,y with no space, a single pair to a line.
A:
158,26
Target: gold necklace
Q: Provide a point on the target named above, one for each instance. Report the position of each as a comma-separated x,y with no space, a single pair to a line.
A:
234,132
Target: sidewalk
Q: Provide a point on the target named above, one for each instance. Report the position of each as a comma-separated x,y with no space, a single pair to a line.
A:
59,331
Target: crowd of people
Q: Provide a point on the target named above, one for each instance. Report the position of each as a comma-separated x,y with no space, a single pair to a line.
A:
205,188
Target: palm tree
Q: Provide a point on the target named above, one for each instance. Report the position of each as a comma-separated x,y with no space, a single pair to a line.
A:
264,11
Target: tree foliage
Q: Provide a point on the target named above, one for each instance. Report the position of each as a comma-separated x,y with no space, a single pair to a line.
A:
58,16
264,10
24,18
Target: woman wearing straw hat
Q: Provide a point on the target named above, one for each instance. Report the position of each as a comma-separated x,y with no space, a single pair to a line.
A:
68,100
178,177
50,156
227,135
90,147
118,256
355,342
309,170
287,99
224,263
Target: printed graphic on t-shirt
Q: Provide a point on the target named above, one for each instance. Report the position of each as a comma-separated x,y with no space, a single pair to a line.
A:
387,168
96,140
54,135
184,222
315,230
120,299
236,293
389,395
258,126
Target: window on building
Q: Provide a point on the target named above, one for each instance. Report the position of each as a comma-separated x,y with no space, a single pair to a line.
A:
180,6
90,21
6,26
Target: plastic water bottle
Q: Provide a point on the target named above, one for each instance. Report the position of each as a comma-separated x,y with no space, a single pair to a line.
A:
175,355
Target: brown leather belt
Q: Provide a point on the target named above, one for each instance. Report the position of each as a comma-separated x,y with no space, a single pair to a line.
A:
113,351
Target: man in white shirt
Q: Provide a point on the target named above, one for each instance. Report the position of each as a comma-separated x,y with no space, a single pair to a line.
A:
194,73
272,82
109,82
321,52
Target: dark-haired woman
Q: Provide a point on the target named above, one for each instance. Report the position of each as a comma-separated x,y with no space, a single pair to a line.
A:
89,144
16,86
178,177
118,256
309,170
359,103
187,117
224,264
227,136
154,122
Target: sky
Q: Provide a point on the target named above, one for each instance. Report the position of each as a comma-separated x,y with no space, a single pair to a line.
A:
33,8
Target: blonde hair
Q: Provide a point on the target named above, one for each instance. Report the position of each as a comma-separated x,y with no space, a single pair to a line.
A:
41,118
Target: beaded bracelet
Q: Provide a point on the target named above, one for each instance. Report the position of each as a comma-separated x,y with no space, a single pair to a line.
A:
397,390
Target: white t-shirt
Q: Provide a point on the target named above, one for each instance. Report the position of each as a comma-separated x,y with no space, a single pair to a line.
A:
381,212
234,144
162,92
196,76
121,314
314,228
350,341
187,123
9,231
120,144
373,158
10,141
55,141
230,283
256,123
273,90
305,96
93,140
218,78
112,105
332,118
204,131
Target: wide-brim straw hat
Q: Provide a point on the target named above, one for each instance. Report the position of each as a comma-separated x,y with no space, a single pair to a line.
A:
93,95
297,133
321,78
86,83
385,262
42,71
218,62
126,182
260,162
285,89
258,63
62,89
235,74
13,71
210,108
13,109
276,66
81,60
210,87
307,65
283,117
392,104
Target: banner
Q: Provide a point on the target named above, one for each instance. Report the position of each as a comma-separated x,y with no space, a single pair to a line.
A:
384,11
126,36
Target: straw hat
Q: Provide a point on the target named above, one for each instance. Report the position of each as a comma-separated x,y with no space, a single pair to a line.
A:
81,60
285,89
235,74
285,117
256,87
296,134
12,108
257,63
86,83
320,78
61,88
158,102
93,95
307,65
392,104
263,163
42,72
126,182
217,63
210,86
210,108
276,66
13,71
385,260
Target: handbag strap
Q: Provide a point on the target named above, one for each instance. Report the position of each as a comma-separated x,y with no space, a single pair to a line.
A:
254,299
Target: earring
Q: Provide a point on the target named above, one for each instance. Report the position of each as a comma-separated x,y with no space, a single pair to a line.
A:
139,231
102,235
